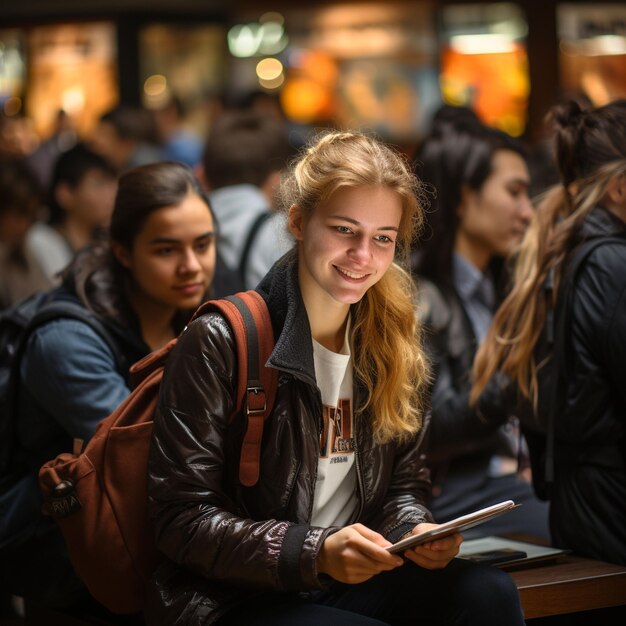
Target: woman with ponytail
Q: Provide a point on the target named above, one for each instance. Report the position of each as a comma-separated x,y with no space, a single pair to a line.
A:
588,408
342,473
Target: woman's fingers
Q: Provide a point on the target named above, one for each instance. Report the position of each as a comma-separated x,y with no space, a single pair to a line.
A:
355,553
436,554
372,544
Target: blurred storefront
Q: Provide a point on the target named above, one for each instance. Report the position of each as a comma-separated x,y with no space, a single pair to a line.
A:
484,62
366,66
387,66
384,66
185,60
592,50
70,67
84,58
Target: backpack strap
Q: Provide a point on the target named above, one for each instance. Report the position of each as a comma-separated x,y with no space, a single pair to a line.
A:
558,328
247,248
249,319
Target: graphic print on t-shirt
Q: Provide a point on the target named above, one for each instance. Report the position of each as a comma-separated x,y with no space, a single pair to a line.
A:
337,439
335,497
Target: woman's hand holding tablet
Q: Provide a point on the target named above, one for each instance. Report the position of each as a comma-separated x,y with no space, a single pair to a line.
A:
453,526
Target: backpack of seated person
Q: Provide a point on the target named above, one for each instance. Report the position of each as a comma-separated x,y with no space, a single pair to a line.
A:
227,281
98,494
19,494
552,353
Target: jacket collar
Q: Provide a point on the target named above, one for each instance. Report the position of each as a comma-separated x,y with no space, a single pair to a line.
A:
601,223
293,351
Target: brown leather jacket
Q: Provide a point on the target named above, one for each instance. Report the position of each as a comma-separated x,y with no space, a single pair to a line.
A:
224,541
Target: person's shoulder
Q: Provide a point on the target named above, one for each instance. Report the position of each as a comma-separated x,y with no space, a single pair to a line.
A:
272,240
611,250
42,234
207,343
48,247
606,263
600,285
66,347
433,307
207,329
66,334
274,225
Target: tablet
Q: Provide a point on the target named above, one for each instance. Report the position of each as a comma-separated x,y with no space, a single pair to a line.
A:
534,553
453,526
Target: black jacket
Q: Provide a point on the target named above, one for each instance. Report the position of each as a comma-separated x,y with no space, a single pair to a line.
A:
588,503
225,541
461,438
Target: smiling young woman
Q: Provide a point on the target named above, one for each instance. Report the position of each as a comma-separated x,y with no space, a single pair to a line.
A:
347,245
342,473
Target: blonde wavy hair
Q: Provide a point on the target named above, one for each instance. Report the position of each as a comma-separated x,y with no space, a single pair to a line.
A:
386,340
591,152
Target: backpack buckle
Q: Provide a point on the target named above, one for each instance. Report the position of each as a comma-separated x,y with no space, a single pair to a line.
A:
64,501
256,402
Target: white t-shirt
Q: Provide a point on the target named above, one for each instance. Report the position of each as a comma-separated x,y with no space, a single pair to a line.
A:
335,489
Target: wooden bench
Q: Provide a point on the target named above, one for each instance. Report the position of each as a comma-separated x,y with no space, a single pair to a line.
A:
571,585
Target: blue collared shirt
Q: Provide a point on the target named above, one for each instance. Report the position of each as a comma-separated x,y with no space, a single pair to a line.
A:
477,294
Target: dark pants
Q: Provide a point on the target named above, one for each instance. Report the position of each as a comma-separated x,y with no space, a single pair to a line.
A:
462,594
468,489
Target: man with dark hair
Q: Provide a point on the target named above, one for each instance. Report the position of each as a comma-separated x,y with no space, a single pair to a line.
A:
243,158
81,197
125,136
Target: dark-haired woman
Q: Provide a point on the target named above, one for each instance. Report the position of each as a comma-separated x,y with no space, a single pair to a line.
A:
142,286
479,214
588,503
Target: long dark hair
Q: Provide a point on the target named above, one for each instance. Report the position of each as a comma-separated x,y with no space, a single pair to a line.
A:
100,280
457,153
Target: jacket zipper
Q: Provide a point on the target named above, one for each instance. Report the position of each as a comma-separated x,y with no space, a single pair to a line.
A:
319,411
359,475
